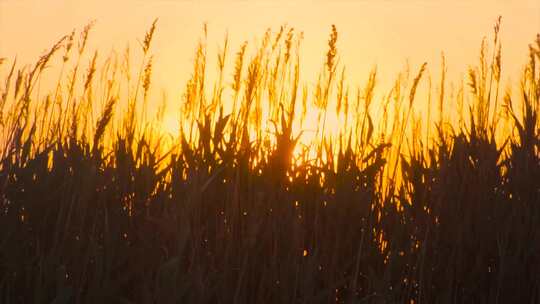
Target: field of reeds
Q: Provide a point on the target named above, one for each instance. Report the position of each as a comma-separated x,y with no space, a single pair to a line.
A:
99,204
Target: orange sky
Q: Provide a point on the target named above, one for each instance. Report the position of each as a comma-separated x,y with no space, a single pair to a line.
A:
383,32
386,33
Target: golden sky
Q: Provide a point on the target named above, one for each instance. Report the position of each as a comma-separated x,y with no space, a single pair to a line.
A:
381,32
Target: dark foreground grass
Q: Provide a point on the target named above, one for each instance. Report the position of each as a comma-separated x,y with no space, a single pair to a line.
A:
95,210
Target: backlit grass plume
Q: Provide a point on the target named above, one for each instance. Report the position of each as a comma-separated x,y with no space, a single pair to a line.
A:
100,205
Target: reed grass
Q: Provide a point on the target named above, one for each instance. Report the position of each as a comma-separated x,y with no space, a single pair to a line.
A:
100,206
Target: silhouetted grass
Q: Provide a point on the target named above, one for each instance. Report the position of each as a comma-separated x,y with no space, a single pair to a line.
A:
99,206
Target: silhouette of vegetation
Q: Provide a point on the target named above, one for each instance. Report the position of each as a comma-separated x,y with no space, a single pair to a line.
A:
100,206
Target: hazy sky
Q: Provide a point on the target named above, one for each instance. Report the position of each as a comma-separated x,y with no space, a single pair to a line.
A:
382,32
371,31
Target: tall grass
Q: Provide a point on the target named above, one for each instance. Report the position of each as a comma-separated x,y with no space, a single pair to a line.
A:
99,205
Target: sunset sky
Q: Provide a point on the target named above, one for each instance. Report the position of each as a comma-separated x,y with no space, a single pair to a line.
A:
383,33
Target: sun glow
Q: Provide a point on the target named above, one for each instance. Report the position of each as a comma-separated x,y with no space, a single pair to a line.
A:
286,88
